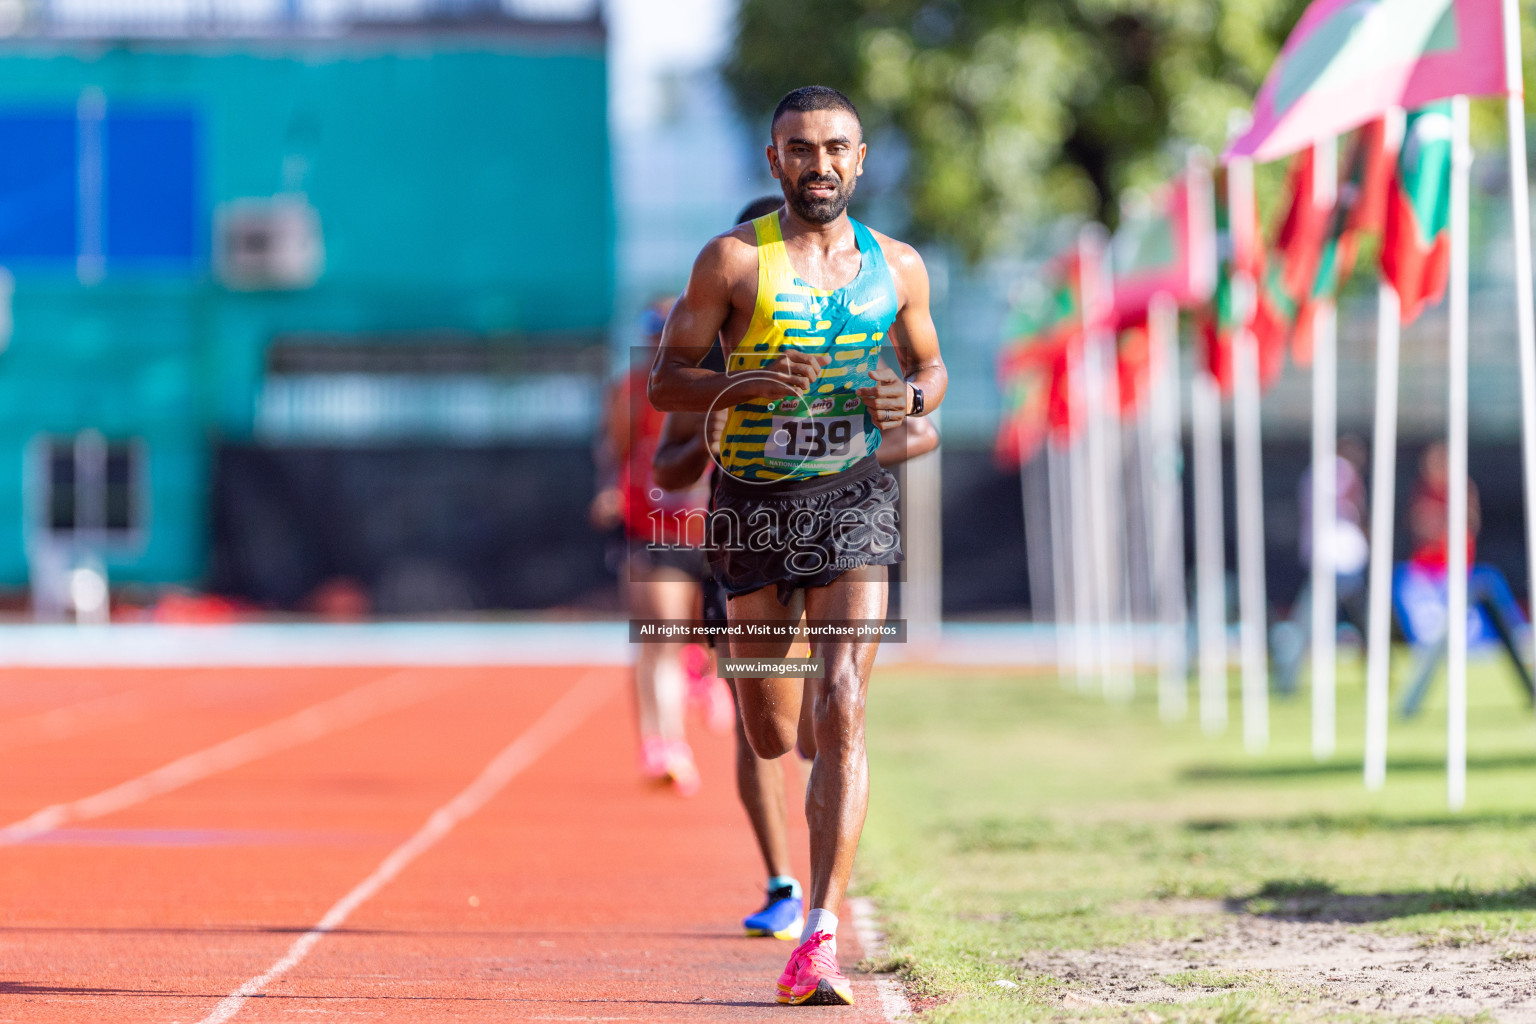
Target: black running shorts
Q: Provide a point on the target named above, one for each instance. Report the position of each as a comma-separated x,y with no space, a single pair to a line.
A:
714,611
802,533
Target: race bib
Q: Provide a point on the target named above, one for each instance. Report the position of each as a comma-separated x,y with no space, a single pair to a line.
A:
824,434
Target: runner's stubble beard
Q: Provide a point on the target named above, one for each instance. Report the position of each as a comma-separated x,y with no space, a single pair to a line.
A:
819,211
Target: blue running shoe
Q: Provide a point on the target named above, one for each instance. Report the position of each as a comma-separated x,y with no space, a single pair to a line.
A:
780,917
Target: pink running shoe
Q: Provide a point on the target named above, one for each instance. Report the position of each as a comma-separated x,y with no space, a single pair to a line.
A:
681,771
653,759
817,979
790,972
695,661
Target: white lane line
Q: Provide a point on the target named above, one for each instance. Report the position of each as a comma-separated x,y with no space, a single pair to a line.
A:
367,701
894,1004
574,707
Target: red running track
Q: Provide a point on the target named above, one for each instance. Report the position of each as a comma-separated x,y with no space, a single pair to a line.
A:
573,893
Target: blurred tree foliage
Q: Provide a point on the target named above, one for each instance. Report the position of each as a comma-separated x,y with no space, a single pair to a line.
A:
1011,110
1016,109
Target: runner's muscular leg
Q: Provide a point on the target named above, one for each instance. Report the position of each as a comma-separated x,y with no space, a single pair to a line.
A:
660,593
806,743
838,796
760,784
769,708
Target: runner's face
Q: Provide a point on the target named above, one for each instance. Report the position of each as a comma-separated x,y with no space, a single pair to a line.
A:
817,156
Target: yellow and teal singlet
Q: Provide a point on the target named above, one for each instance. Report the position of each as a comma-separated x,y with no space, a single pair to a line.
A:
828,430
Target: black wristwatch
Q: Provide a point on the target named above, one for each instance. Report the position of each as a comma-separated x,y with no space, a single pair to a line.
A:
917,401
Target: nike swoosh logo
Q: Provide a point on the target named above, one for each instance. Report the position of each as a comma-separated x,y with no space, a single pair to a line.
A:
856,310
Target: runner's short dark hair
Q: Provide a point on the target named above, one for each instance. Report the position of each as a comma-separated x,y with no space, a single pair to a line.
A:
814,97
759,206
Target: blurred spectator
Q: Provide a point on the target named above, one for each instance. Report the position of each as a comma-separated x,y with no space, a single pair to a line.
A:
1351,546
1429,512
1351,559
186,607
1420,593
339,599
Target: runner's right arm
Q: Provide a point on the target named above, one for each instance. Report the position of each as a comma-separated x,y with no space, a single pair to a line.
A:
678,383
609,450
681,457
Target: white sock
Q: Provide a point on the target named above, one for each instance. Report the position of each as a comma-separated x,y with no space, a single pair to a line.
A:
820,921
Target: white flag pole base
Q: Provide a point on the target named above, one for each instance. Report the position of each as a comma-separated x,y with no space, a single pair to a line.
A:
1525,315
1520,215
1325,397
1456,510
1210,558
1249,452
1324,513
1383,506
1168,513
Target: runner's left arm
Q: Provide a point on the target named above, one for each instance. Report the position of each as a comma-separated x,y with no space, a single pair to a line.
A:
914,437
916,342
916,339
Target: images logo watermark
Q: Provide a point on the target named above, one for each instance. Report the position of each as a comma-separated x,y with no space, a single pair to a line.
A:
812,540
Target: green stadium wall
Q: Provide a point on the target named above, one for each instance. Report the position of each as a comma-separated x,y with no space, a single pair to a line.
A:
462,185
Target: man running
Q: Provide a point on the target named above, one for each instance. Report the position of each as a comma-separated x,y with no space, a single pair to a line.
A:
804,517
661,564
688,446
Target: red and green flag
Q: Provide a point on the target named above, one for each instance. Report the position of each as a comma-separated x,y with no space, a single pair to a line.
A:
1166,245
1350,61
1045,327
1238,303
1415,247
1133,364
1360,208
1296,252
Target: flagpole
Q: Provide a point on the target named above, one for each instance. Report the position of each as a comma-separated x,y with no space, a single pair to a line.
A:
1167,499
1092,393
1104,457
1378,645
1120,678
1210,568
1083,600
1088,600
1248,452
1324,483
1098,489
1520,215
1456,535
1103,467
1144,617
1061,576
1036,564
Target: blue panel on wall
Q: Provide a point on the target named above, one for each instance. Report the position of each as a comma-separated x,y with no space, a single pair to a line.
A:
151,188
38,192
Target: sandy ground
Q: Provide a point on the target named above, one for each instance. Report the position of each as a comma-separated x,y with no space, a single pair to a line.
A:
1326,967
